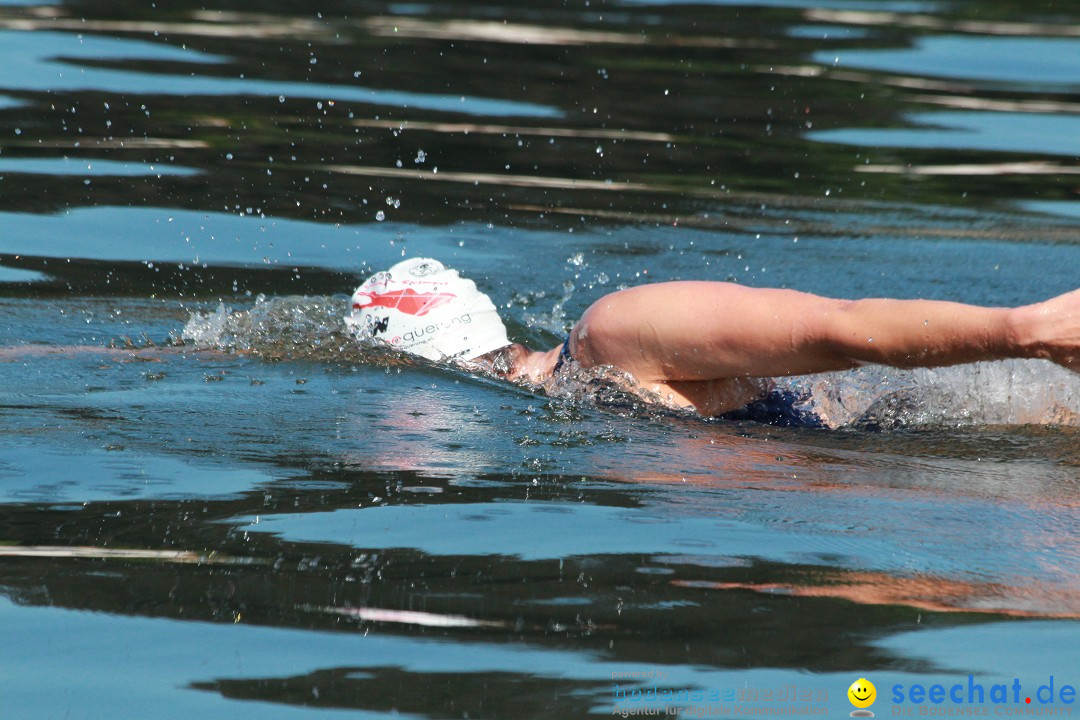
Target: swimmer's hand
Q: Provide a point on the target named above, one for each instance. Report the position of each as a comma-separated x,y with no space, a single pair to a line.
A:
1051,330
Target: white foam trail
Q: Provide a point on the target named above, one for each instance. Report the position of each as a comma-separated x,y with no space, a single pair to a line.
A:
1009,392
298,326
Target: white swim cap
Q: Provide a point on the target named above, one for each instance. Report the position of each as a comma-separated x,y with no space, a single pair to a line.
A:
424,308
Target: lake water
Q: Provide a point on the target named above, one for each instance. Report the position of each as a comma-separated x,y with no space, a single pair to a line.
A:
258,519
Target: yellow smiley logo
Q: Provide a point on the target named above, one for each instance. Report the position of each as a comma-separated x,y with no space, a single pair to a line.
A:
862,693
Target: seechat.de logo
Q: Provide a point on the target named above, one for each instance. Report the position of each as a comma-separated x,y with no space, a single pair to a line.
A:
862,695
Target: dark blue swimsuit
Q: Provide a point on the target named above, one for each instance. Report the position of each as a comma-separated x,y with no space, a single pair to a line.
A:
777,407
564,355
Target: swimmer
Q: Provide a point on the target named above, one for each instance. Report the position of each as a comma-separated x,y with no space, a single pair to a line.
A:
709,347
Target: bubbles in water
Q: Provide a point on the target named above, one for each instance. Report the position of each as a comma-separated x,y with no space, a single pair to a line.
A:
421,156
380,216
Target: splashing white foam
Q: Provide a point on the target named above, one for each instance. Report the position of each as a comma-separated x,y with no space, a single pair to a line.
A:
1009,392
282,326
206,331
553,320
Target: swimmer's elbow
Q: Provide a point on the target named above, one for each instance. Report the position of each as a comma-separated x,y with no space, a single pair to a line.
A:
607,334
590,340
831,331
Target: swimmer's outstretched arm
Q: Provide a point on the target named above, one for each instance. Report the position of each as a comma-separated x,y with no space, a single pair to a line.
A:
712,330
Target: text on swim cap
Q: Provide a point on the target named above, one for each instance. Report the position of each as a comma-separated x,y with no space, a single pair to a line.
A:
416,334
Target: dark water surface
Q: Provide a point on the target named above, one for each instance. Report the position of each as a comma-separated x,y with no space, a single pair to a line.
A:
265,521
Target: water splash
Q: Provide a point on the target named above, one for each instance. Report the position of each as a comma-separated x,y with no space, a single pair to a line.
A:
553,320
1012,392
292,327
611,389
1009,392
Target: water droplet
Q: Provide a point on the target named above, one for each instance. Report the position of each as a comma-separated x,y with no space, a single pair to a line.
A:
380,216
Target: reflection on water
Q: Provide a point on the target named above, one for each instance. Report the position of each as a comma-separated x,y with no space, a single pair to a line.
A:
1041,134
67,166
1033,64
213,501
38,68
1064,208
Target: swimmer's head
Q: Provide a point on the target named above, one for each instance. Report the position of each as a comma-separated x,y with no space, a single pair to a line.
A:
421,307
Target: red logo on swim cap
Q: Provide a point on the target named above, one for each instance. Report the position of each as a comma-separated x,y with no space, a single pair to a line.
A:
407,301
